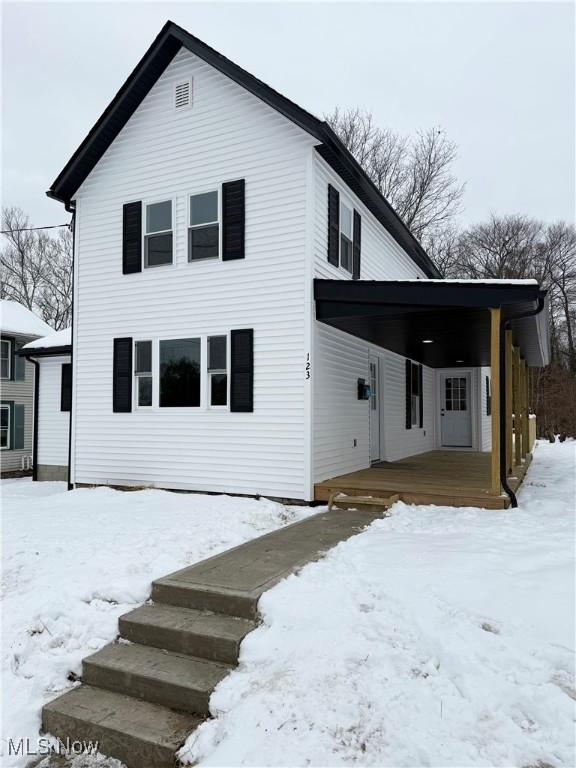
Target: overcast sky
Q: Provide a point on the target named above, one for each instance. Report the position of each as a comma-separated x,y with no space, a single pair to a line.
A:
498,78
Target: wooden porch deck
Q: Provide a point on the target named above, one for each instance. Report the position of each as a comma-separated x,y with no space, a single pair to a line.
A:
448,478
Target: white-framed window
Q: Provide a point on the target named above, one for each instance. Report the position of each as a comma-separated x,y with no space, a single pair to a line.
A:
180,380
143,375
373,387
5,359
158,234
204,226
5,427
218,371
346,224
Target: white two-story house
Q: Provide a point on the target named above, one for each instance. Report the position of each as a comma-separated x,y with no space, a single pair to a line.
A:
250,315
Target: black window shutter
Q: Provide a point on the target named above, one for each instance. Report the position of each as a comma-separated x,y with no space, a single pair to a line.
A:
356,246
408,394
233,219
132,238
421,393
488,397
66,387
242,370
122,376
333,224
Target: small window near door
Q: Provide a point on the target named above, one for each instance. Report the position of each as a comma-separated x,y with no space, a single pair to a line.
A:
5,426
456,393
143,373
373,387
217,371
416,394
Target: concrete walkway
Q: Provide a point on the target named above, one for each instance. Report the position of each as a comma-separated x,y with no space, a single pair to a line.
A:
140,699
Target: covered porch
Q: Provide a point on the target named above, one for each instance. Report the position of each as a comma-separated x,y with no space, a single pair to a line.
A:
447,478
448,325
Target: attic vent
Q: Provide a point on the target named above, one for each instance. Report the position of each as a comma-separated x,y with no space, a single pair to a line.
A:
182,94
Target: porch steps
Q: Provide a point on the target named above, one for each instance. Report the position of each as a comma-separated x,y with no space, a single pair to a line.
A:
366,503
142,696
198,633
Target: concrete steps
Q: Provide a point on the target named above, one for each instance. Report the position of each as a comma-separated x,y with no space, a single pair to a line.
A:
140,734
162,677
140,699
196,633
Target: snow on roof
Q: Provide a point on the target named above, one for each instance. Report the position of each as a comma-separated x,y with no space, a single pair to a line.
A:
15,318
55,339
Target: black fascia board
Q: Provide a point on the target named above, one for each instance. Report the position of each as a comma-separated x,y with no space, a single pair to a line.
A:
147,72
64,349
420,293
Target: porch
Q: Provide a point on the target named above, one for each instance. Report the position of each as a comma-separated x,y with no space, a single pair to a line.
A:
450,329
446,478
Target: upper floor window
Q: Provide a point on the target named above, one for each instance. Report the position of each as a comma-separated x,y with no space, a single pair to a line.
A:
204,227
158,234
5,359
345,237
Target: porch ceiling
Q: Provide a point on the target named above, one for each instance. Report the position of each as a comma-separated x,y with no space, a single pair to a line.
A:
400,315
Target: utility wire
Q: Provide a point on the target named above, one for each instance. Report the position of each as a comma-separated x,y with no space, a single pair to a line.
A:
32,229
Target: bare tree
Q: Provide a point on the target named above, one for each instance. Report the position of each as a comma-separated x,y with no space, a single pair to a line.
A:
414,175
36,269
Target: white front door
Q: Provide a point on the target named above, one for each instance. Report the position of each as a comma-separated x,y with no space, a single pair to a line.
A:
374,410
456,413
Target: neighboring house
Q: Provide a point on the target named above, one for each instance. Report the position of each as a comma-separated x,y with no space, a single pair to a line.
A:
252,317
52,356
18,326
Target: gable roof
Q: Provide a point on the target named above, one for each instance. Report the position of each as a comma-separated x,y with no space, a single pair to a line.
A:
16,318
145,75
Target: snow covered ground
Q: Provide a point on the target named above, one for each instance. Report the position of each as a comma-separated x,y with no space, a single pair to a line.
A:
437,637
72,562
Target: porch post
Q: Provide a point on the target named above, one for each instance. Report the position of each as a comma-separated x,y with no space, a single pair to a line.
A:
518,410
495,371
508,384
525,427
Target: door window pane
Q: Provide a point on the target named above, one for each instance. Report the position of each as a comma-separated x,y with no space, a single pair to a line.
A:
180,373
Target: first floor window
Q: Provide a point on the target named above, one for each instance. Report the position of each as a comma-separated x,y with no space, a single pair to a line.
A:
414,394
143,373
488,396
158,234
180,361
217,370
5,359
204,229
4,426
345,237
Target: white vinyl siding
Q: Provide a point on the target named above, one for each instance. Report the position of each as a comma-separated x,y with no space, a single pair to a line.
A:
340,418
52,422
164,153
381,256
